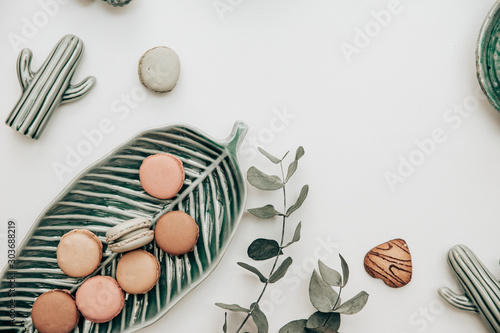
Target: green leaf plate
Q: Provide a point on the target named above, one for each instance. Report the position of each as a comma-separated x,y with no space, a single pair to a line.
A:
487,56
108,193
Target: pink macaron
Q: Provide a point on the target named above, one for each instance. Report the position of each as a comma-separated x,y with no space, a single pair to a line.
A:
100,299
162,175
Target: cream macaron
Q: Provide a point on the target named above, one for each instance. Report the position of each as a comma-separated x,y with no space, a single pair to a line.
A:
159,69
130,235
138,272
79,253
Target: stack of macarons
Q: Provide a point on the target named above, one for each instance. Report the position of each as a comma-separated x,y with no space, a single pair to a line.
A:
101,298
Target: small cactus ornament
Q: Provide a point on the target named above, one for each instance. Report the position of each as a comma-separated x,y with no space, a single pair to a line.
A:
50,86
481,288
118,3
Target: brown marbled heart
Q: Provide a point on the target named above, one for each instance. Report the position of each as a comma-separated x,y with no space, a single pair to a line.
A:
391,262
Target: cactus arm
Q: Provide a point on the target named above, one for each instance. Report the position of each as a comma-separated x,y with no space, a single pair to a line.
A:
24,73
458,301
77,91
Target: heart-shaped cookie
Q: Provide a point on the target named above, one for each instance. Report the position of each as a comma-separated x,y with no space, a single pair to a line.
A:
391,262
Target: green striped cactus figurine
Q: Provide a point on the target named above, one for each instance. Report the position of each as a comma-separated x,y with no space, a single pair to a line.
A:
50,86
118,3
481,288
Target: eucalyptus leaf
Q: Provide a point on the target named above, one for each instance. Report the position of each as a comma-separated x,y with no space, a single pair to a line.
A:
296,235
286,154
281,271
354,305
263,181
320,319
330,276
266,212
345,271
263,249
232,307
224,327
302,196
254,270
293,166
299,153
108,193
272,158
322,296
291,170
259,319
296,326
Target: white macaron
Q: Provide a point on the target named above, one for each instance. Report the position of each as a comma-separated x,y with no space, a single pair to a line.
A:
130,235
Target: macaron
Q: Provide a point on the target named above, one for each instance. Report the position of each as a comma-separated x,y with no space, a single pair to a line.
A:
162,175
137,272
176,233
100,299
79,252
55,312
159,69
130,235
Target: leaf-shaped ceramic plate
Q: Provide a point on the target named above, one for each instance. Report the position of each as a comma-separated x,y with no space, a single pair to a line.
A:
108,193
487,56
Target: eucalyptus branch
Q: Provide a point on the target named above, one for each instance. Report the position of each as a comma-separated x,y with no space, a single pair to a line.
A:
327,301
264,249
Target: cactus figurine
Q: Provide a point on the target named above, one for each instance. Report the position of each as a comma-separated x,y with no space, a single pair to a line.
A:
481,288
118,3
50,86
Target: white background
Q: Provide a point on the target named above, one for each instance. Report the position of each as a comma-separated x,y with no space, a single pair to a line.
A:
357,117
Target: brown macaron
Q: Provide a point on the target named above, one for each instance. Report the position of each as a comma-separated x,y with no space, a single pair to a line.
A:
176,233
55,312
100,299
79,253
138,272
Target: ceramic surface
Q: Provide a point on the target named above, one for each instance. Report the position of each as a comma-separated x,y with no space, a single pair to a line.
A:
108,193
487,60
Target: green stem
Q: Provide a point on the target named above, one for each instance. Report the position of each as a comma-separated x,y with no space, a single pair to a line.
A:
338,299
336,302
275,260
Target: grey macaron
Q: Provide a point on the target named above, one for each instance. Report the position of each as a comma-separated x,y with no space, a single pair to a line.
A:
130,235
159,69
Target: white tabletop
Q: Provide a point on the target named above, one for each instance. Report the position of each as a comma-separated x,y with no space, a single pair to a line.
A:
363,86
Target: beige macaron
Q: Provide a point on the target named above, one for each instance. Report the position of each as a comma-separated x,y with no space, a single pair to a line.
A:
79,253
130,235
138,272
